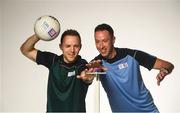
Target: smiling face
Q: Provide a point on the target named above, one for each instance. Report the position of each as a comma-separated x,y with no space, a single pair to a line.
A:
70,47
105,43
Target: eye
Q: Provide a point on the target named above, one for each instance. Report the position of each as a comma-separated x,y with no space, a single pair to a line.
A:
77,46
96,41
67,46
106,40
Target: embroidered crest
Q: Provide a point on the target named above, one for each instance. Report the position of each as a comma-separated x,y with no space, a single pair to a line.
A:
123,65
71,73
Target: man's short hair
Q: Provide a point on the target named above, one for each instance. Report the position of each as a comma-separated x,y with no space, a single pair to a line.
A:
70,32
103,27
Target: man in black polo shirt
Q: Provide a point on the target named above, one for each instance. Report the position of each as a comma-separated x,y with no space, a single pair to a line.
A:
66,93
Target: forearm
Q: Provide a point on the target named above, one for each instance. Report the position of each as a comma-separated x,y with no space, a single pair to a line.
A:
85,77
88,81
28,48
161,65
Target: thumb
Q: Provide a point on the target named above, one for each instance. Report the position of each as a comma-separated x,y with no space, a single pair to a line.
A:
104,68
79,77
158,80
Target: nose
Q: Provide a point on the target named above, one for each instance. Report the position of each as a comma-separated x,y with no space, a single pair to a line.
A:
72,49
101,45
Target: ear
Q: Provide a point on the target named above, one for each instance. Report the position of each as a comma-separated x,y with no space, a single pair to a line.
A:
80,46
60,46
114,39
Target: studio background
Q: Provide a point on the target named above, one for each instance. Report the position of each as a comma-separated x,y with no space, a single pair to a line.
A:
148,25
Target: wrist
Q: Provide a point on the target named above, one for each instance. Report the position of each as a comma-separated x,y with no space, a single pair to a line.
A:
164,70
88,81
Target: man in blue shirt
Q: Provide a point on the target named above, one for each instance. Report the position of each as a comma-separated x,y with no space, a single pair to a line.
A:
123,82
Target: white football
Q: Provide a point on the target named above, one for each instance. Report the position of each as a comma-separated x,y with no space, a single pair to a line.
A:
47,28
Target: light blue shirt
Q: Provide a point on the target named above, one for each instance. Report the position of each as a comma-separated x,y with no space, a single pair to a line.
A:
125,88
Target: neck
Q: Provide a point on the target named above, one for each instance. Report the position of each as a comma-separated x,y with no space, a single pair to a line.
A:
112,53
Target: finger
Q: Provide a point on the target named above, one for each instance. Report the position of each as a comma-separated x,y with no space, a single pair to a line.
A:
163,74
79,77
99,60
160,76
88,65
91,70
93,64
104,68
158,80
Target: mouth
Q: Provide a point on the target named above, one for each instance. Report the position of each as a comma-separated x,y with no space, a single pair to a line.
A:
102,51
72,55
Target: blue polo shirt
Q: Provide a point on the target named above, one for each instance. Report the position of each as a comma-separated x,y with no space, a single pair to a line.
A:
123,82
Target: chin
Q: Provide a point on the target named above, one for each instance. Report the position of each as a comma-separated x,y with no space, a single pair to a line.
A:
103,55
72,60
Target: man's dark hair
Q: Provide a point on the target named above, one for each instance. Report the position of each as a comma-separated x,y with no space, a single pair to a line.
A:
70,32
103,27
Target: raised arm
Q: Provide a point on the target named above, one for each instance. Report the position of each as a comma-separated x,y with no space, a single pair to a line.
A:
27,48
164,68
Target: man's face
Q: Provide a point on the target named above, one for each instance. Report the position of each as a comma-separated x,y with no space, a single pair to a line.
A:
104,43
70,48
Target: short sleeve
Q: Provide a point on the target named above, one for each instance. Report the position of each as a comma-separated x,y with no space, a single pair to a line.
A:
82,66
45,58
145,59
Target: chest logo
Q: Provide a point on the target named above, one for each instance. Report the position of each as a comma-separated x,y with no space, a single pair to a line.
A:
123,65
71,73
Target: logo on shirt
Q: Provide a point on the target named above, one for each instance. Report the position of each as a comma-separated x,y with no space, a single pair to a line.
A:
123,65
71,73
